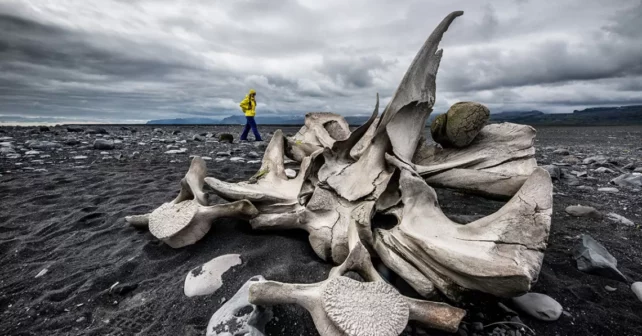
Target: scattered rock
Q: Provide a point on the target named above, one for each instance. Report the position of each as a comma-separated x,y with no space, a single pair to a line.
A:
239,317
96,131
633,180
609,288
569,178
539,306
603,170
175,132
636,287
206,279
32,152
103,144
75,129
41,273
222,154
638,170
290,173
37,144
619,219
237,159
253,162
608,190
176,151
206,158
157,131
593,258
583,211
561,151
570,159
72,141
198,137
601,159
226,137
253,155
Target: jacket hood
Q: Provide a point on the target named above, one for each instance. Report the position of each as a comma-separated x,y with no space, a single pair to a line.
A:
252,91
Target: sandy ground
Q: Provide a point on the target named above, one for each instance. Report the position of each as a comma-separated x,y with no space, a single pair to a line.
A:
65,215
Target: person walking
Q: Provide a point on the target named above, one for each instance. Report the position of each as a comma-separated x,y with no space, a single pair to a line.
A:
248,105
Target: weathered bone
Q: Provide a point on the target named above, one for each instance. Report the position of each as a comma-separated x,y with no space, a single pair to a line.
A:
187,218
405,116
269,185
320,130
500,254
342,306
495,164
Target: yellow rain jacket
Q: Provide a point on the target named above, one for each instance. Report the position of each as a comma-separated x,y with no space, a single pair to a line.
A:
248,105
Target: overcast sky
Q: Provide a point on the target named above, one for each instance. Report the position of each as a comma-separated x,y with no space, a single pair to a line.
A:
128,60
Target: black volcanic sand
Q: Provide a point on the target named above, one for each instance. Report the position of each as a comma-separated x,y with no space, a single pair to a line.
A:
69,220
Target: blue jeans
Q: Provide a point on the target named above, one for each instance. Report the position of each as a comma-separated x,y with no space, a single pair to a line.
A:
250,123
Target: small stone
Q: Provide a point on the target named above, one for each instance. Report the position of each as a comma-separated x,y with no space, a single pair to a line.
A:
80,157
41,273
223,154
290,173
608,189
570,159
206,158
593,258
561,151
619,219
226,137
478,326
81,319
198,137
253,155
633,180
554,171
103,144
609,288
237,159
253,161
601,159
539,306
582,211
636,287
604,170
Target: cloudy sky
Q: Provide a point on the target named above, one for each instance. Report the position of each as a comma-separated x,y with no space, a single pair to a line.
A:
135,60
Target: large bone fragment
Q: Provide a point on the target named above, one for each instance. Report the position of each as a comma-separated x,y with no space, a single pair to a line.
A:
500,254
405,116
320,130
496,163
342,306
187,218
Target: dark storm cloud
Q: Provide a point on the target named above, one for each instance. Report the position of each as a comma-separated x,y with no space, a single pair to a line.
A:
144,59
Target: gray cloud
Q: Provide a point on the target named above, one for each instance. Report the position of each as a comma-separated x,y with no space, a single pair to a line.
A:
138,60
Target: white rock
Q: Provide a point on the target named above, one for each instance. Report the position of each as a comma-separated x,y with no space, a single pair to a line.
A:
619,219
32,152
221,154
80,157
608,189
219,159
539,306
13,156
6,138
206,279
636,287
206,158
603,170
254,162
104,153
290,173
237,159
41,273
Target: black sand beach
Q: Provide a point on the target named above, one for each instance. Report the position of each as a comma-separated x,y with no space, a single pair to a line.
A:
65,215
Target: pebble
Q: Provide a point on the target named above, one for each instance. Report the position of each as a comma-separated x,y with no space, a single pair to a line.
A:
254,162
603,170
636,287
619,219
593,258
221,154
32,152
608,189
206,158
609,288
539,306
80,157
237,159
582,211
253,155
176,151
41,273
290,173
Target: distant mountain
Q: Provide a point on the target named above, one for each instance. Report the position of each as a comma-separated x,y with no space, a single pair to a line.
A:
619,115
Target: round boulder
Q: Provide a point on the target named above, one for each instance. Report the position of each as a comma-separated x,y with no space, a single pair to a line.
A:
464,121
438,130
